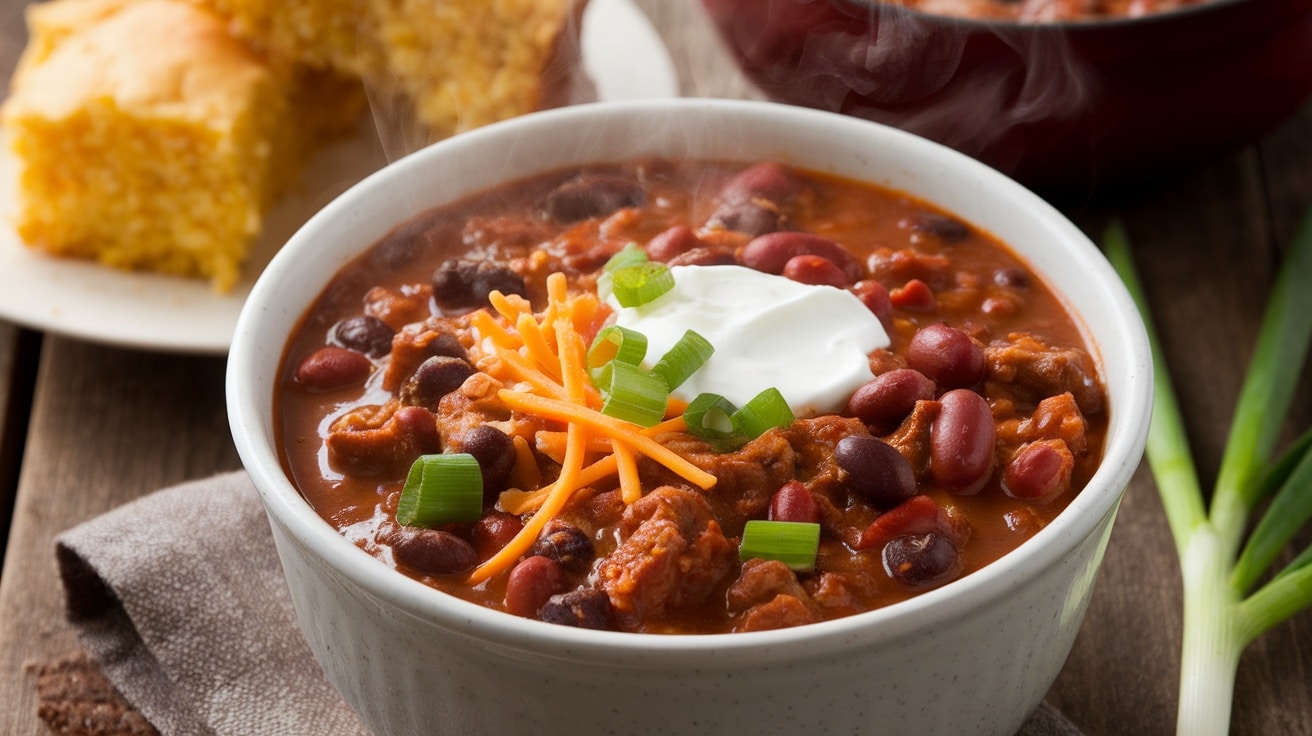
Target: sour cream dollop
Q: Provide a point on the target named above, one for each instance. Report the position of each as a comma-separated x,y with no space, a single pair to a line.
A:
812,343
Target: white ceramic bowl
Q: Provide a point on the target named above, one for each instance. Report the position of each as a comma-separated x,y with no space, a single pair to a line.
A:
973,657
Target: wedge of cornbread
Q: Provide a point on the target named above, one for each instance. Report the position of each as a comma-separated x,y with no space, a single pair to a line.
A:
148,137
454,64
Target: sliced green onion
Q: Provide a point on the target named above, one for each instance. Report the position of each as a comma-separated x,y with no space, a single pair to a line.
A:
617,343
632,394
630,255
794,543
440,489
636,285
688,354
709,416
764,412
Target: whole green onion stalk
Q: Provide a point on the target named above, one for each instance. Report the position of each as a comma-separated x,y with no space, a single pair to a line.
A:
1232,591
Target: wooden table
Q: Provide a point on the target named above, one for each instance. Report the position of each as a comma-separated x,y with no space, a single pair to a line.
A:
87,427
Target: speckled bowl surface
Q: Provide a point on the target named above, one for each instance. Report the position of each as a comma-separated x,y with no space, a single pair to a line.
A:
973,657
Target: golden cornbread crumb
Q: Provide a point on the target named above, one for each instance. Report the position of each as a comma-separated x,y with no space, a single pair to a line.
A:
148,138
459,63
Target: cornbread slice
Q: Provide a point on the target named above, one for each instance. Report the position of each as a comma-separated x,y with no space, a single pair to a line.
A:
453,64
148,138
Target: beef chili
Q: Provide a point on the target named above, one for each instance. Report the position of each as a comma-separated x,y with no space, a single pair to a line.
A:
490,333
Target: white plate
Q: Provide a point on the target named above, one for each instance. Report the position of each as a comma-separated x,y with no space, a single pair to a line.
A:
622,54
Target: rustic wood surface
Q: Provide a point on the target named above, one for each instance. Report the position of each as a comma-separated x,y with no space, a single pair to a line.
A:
87,427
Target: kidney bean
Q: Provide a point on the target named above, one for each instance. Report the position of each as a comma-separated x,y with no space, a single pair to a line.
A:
769,180
709,255
817,271
332,367
587,608
530,583
566,544
946,229
792,502
363,333
671,242
922,560
916,515
418,426
876,298
1040,470
748,216
592,196
434,378
495,453
1012,278
961,442
875,470
494,531
432,551
770,252
884,401
947,356
464,283
914,295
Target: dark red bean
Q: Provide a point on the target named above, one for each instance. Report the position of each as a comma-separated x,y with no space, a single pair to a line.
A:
418,426
332,367
875,470
671,242
1040,470
748,216
916,515
884,401
792,502
495,453
432,551
876,298
434,378
587,608
592,196
769,180
566,544
817,271
463,283
363,333
922,560
947,356
531,583
961,442
770,252
915,295
1012,278
946,229
494,531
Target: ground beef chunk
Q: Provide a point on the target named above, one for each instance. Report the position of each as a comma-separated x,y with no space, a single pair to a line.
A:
1055,418
381,440
746,479
1027,370
671,554
415,343
399,307
911,438
769,596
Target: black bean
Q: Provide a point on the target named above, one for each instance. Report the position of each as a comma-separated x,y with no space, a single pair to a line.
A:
875,470
433,379
1012,278
364,333
587,608
566,544
495,453
592,196
464,283
922,560
946,229
432,551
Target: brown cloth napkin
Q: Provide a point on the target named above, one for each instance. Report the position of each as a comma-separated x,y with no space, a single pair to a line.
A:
181,599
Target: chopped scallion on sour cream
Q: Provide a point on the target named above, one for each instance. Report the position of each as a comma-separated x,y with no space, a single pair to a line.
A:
812,343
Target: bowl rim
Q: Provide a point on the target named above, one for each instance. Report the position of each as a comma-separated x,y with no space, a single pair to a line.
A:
1199,9
249,395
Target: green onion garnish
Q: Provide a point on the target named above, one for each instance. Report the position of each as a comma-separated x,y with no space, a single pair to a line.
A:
631,393
794,543
617,343
440,489
709,416
630,255
636,285
764,412
688,354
